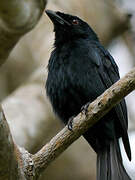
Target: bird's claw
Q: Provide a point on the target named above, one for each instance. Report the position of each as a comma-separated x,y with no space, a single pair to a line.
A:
84,108
70,123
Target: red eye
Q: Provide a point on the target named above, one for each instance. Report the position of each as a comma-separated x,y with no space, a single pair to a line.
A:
75,22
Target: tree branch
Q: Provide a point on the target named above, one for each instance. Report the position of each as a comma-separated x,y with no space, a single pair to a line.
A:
23,165
83,122
8,162
17,18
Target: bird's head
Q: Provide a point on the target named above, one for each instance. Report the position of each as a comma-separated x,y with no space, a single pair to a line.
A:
68,27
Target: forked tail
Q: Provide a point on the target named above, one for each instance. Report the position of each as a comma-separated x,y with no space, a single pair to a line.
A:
109,164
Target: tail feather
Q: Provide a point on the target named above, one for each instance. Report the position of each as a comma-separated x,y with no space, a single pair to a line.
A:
102,166
109,164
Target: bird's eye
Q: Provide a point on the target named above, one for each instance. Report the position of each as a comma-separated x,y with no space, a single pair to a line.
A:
75,22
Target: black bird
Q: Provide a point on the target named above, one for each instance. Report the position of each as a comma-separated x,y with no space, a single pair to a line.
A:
79,70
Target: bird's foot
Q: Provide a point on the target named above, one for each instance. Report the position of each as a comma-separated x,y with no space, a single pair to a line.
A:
84,108
70,123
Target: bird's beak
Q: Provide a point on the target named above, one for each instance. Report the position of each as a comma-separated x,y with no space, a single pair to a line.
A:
56,18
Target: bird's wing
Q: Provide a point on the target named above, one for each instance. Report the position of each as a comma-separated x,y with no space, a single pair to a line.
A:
109,74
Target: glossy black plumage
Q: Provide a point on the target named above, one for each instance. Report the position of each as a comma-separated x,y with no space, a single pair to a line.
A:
80,70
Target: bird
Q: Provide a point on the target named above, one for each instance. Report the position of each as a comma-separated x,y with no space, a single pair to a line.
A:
79,70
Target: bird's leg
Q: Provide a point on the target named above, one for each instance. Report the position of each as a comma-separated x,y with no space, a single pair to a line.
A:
70,123
84,108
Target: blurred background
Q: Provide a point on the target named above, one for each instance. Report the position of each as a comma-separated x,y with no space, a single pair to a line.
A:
23,76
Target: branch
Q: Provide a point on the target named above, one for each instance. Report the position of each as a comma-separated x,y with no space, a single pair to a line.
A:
16,19
8,162
15,162
83,122
23,165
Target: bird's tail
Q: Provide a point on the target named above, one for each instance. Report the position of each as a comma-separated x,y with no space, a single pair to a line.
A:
109,164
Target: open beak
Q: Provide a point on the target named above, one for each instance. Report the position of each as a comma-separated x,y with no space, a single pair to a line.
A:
56,18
